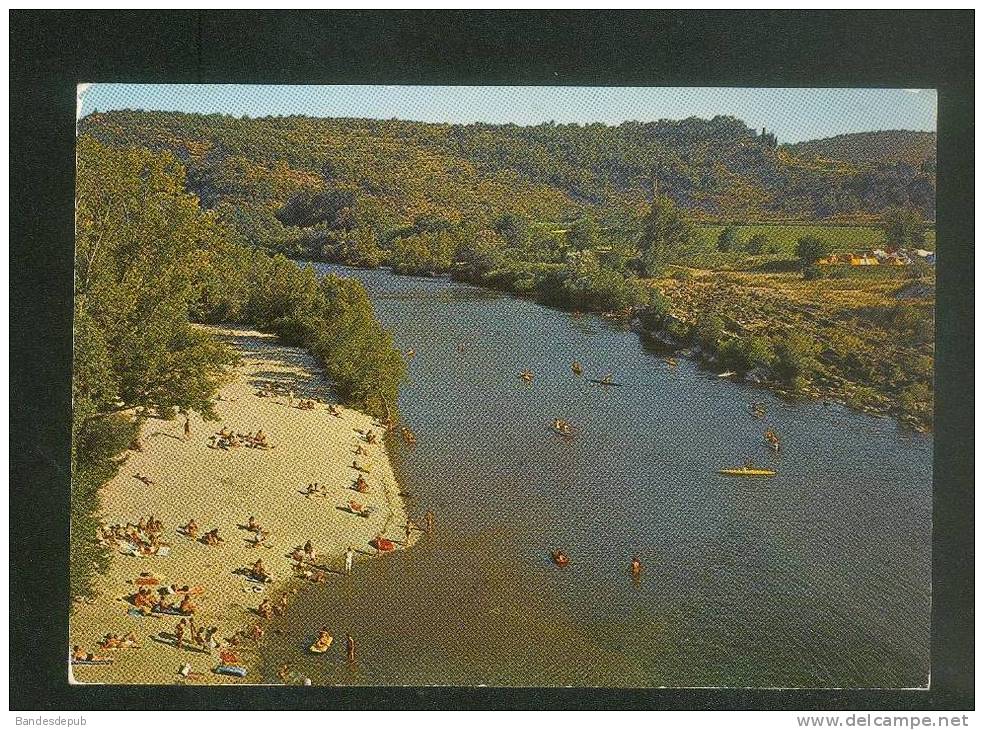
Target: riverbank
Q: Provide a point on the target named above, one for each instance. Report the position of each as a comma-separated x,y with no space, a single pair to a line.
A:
866,343
176,479
870,340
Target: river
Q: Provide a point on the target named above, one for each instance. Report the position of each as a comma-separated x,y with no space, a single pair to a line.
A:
819,577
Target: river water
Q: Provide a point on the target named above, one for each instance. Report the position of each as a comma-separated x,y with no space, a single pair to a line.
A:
819,577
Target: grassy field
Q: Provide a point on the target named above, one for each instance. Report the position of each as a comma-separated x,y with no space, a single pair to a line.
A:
786,235
873,332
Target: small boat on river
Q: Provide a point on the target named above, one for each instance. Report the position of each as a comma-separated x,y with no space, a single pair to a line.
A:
747,471
607,380
562,428
772,439
559,558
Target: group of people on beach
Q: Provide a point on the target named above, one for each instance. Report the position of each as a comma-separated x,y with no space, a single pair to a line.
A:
268,609
150,596
258,533
272,390
227,439
191,530
305,553
315,489
198,636
165,600
143,538
258,572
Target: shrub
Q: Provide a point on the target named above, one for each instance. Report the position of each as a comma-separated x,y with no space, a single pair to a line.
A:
728,240
811,248
795,359
708,331
812,272
744,354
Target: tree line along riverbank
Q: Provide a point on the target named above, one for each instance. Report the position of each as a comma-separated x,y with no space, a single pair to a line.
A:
151,262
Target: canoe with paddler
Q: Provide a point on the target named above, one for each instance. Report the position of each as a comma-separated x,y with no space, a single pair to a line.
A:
559,558
562,428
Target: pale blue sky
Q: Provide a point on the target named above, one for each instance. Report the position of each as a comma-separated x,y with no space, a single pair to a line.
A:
793,115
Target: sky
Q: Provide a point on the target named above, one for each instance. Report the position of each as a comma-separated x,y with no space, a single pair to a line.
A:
793,115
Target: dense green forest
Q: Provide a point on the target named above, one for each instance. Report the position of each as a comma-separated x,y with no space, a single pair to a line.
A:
151,262
917,150
274,175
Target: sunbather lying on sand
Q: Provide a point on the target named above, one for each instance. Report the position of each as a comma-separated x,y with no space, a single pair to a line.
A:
79,655
212,537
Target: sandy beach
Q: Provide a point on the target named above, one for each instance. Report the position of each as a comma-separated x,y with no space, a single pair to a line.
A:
223,488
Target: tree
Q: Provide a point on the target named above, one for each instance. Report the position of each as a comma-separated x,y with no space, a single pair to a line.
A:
361,248
582,234
665,236
514,229
795,359
728,239
903,228
142,247
587,284
479,254
809,249
708,332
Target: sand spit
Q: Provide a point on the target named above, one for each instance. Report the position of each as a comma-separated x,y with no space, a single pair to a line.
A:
223,488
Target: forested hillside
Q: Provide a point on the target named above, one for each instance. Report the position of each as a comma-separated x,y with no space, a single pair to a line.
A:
568,214
917,150
263,174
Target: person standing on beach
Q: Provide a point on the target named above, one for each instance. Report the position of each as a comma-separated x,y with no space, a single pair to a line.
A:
187,427
179,632
430,522
350,648
407,533
349,556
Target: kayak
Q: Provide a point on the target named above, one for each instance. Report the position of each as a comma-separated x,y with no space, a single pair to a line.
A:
319,647
382,544
744,471
567,432
232,670
598,381
559,559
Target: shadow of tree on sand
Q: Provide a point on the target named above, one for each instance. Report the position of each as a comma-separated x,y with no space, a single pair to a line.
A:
301,376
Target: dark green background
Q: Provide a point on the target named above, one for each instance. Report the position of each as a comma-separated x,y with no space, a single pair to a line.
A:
52,51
